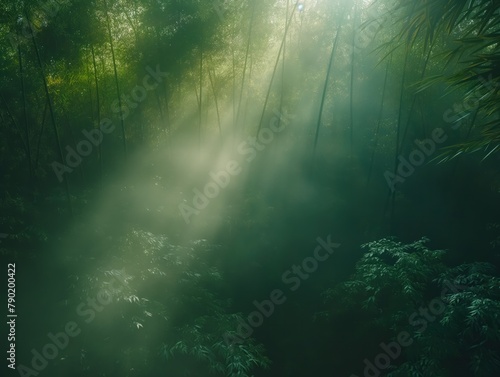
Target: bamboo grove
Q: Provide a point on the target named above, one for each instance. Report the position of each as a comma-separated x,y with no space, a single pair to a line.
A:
193,152
52,91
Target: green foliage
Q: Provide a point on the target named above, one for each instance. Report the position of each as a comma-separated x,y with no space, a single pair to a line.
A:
391,276
168,299
393,281
474,30
467,332
202,341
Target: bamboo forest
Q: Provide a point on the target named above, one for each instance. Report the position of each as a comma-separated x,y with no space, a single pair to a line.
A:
250,188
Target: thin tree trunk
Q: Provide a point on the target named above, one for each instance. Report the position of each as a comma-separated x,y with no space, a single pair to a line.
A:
399,143
245,109
422,75
167,108
200,102
108,24
246,59
379,122
160,109
91,99
13,120
399,146
325,87
51,112
275,67
351,100
283,67
25,113
98,104
234,85
39,140
215,98
391,197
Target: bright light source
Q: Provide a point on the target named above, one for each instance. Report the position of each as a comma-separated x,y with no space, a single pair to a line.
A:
300,7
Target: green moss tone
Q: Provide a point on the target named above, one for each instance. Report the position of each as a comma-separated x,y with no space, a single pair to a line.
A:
232,188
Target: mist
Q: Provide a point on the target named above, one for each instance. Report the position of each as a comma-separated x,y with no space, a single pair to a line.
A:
250,188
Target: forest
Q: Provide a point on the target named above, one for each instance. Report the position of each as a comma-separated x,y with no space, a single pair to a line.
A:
250,188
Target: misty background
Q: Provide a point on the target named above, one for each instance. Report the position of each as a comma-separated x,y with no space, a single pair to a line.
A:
167,165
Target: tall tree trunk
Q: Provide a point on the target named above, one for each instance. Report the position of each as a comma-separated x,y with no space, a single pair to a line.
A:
98,104
165,121
261,121
379,122
325,87
399,144
245,109
160,109
234,84
25,113
13,120
282,94
122,121
215,97
250,28
200,102
351,99
51,112
422,75
167,108
91,97
39,139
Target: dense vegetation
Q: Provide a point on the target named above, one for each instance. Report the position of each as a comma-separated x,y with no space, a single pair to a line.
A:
251,187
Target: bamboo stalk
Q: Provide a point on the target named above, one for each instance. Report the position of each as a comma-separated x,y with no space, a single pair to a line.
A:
379,122
325,87
51,112
276,66
122,122
25,113
246,59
